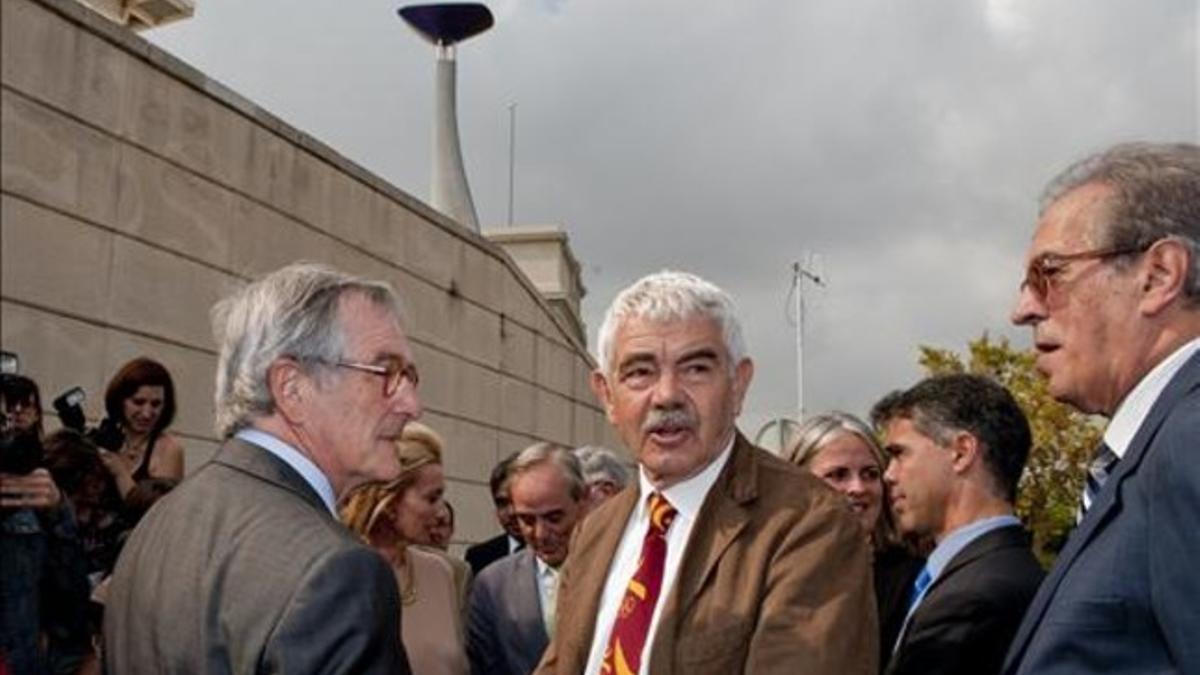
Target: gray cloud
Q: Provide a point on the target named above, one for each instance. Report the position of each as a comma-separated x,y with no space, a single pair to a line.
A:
906,142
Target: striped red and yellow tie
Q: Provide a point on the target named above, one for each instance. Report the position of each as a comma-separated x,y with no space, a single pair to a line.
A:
623,655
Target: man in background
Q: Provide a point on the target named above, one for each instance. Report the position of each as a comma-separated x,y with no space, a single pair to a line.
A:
512,608
509,540
603,471
958,445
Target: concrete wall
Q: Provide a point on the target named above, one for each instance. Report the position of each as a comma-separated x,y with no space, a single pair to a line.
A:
135,192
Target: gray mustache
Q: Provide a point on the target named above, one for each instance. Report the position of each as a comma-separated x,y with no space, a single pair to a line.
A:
675,418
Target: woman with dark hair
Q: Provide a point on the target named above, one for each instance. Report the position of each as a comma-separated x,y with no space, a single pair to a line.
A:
141,399
840,449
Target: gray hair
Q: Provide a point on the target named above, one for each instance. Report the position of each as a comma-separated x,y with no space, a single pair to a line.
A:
601,464
811,435
1156,194
290,312
553,453
671,296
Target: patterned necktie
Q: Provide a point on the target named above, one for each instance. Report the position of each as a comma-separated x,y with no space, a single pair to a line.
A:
1098,471
623,655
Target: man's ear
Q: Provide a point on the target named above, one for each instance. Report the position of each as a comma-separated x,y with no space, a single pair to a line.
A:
290,387
967,451
600,388
1164,272
743,373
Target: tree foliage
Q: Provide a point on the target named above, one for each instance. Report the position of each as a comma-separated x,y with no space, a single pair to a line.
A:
1063,439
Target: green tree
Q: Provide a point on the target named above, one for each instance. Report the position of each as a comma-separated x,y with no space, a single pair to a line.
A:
1063,439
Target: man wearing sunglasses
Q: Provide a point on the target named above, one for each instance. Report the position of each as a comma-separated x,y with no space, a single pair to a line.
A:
1112,293
244,568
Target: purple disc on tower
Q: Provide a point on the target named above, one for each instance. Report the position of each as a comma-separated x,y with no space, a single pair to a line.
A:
449,23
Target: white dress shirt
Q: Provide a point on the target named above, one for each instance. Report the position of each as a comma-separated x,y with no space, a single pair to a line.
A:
1136,405
687,497
547,586
292,457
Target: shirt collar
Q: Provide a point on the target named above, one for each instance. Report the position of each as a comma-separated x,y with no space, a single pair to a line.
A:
953,543
1136,405
543,570
687,496
292,457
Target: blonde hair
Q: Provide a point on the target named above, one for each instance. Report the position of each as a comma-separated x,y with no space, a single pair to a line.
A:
816,432
417,446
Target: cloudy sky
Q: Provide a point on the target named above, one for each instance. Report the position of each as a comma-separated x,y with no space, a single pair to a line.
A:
903,142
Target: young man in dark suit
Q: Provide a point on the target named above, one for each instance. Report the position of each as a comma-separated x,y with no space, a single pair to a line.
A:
507,542
1112,293
958,444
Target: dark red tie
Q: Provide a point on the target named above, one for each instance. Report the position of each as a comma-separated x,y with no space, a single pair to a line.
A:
623,655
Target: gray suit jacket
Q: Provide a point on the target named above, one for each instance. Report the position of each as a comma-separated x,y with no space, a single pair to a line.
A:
505,631
242,569
1124,595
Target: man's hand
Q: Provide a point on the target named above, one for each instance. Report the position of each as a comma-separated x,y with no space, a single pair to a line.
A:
36,490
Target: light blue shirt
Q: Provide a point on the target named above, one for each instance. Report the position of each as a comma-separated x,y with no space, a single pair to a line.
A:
950,546
292,457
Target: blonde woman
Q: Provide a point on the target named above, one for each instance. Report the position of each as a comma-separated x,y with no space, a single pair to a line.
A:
841,450
395,518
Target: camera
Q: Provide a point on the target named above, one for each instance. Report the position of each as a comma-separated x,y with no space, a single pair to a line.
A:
69,406
20,451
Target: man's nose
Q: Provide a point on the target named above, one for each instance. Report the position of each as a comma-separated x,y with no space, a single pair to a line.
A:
1029,308
406,401
667,389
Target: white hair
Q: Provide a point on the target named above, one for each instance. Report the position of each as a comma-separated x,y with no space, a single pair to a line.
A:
290,312
601,464
671,296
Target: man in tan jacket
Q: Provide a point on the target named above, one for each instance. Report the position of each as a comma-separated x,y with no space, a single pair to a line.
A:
721,558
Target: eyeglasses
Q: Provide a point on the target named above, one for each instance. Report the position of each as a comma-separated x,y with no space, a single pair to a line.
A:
396,372
1044,269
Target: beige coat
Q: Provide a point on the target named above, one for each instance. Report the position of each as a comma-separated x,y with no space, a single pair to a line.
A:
776,579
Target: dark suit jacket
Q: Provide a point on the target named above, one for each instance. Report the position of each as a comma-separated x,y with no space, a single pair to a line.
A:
775,579
505,631
970,613
896,570
242,569
1124,594
487,552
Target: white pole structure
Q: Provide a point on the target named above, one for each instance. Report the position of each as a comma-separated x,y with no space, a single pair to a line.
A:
446,25
799,274
512,156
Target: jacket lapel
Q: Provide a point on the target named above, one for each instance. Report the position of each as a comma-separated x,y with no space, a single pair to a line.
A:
591,557
720,520
259,462
1187,379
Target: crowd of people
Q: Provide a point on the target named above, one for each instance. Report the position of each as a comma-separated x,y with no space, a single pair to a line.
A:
317,538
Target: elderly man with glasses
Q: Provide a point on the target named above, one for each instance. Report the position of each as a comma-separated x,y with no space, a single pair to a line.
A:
245,568
1112,293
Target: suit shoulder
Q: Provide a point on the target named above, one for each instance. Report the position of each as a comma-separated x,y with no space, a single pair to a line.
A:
498,572
787,485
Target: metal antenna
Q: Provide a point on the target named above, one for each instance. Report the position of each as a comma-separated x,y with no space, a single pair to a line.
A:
512,156
799,274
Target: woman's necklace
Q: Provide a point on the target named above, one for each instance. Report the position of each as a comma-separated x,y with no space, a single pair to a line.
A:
401,560
134,450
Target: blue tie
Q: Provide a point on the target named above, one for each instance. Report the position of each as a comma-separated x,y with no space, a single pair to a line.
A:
1098,471
919,586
